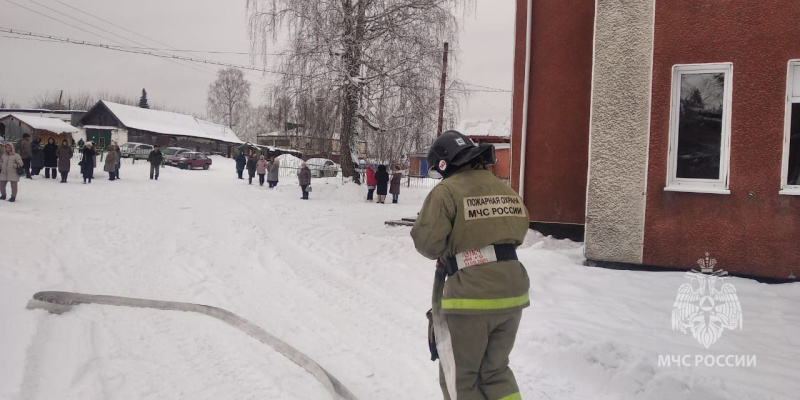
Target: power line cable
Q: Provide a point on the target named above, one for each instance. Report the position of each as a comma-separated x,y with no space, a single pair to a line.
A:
484,87
69,24
32,39
63,22
16,32
107,31
170,47
125,49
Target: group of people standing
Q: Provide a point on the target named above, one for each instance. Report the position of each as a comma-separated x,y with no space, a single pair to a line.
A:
269,170
55,159
88,161
31,159
50,157
381,180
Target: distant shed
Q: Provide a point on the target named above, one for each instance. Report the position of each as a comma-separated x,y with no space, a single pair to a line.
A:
13,126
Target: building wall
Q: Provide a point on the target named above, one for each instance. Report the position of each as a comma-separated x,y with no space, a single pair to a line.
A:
501,168
415,165
753,230
619,130
14,129
558,109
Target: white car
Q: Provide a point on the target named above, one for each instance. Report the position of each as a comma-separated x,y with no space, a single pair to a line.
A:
135,150
322,167
174,151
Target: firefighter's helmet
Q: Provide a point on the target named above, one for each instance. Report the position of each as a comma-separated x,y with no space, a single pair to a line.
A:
453,149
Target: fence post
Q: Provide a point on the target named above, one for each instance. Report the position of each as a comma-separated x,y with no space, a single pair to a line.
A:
408,180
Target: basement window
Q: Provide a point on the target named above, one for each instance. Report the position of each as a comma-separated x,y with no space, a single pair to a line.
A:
699,131
790,176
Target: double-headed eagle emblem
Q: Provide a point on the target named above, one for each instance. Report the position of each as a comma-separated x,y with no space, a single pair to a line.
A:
703,309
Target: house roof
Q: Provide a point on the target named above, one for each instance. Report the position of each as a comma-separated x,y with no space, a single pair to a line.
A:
496,127
270,134
111,128
299,134
54,125
169,123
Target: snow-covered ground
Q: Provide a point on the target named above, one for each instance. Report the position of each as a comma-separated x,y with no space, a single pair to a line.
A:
330,279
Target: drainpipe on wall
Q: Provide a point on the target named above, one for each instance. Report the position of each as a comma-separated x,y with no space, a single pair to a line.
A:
526,92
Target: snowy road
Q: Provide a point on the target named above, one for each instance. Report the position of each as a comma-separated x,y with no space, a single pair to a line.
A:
330,279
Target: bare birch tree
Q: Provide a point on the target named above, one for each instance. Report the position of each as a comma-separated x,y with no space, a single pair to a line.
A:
229,97
379,59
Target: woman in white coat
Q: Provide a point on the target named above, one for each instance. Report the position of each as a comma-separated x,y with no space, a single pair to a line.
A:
9,162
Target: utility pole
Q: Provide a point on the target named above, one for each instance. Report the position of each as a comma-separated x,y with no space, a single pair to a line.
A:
441,91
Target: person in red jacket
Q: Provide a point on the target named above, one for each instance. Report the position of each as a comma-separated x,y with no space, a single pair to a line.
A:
371,182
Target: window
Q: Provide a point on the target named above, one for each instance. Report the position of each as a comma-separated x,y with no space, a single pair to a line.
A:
700,128
790,176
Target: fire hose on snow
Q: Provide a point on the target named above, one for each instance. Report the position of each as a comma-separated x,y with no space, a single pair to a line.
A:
60,302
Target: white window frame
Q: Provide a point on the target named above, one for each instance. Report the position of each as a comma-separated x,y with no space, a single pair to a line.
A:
787,189
716,186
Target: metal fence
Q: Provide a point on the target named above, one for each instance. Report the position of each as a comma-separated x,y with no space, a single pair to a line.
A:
287,172
408,180
415,181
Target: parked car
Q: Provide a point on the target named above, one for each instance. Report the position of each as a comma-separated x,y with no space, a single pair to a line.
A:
322,167
135,150
190,160
174,151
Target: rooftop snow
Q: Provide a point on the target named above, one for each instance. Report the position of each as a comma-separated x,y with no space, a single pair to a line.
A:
170,123
276,133
486,127
54,125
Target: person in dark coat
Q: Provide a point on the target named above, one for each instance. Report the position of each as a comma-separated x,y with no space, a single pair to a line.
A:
119,159
64,154
87,161
80,143
251,168
241,161
304,177
394,188
25,153
37,156
155,158
50,158
382,179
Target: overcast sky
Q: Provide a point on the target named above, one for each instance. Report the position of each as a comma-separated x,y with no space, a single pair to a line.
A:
29,67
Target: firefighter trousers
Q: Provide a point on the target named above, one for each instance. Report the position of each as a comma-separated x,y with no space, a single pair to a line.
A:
481,345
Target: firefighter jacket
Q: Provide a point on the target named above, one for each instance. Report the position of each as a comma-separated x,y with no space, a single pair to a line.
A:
469,210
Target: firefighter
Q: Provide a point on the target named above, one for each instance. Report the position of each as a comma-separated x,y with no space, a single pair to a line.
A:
471,223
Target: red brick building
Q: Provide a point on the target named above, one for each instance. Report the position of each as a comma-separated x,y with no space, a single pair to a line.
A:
667,129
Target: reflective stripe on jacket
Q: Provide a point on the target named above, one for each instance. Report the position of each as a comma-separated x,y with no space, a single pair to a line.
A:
470,210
